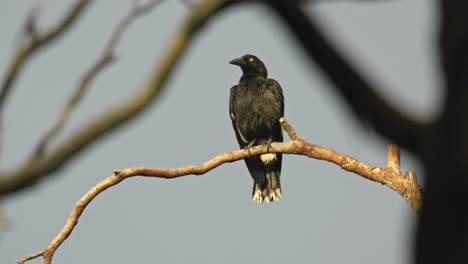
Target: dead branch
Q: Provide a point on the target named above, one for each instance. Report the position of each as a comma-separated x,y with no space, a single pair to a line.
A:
104,60
37,41
390,175
33,169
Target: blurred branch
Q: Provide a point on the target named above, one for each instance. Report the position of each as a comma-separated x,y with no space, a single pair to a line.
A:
358,92
442,235
104,60
33,169
37,41
406,186
2,218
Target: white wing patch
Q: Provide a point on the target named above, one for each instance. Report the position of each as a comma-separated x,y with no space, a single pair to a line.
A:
238,131
242,136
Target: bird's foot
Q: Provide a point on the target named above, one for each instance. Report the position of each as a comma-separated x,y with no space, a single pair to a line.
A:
268,145
249,146
266,158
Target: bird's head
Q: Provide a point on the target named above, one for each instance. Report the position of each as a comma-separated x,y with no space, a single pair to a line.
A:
250,65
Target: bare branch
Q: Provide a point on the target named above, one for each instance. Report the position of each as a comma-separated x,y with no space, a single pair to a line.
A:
36,42
288,128
406,186
411,191
30,257
136,11
394,157
104,60
31,170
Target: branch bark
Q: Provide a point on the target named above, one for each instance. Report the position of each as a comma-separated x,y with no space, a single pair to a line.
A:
390,175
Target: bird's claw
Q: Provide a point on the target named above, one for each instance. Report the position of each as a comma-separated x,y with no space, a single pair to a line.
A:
249,146
268,145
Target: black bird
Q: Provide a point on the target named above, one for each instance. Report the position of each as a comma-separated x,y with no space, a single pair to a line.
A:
255,105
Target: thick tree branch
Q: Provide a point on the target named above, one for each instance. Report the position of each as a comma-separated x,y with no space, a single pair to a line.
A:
359,93
445,215
37,41
406,186
32,170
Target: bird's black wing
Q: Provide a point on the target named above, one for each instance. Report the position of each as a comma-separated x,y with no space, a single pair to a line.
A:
275,88
233,111
254,164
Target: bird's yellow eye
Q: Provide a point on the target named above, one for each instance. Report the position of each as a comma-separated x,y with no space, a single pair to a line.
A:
251,59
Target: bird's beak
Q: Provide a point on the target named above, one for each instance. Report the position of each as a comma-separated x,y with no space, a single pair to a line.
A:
239,61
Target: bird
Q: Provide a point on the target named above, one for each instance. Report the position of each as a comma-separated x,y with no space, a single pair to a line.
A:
256,104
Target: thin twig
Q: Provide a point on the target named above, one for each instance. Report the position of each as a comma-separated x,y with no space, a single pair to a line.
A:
38,41
30,257
136,11
104,60
387,176
288,128
393,157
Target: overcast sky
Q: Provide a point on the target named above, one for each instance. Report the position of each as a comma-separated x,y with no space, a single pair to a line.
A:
326,215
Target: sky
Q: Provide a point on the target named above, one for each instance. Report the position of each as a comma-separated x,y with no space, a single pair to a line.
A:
326,215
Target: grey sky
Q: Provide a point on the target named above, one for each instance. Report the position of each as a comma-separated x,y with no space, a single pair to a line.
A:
325,216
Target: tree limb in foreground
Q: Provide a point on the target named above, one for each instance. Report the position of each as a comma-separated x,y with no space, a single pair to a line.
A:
38,41
31,170
105,59
406,185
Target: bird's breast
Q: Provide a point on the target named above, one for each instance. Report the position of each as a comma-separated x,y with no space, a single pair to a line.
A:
258,113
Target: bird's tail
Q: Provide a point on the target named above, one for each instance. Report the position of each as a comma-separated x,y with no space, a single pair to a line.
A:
269,191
